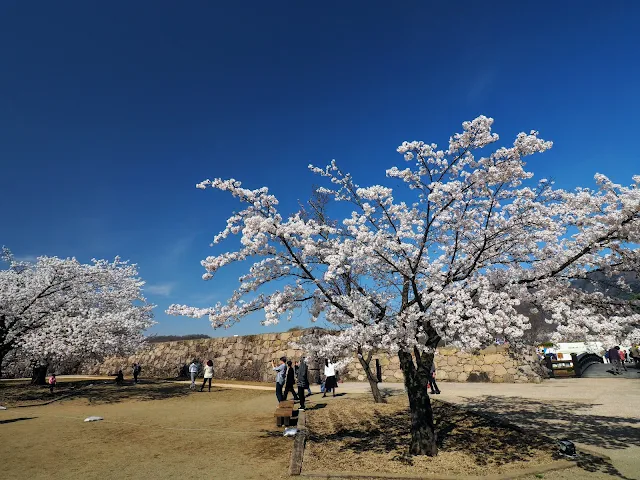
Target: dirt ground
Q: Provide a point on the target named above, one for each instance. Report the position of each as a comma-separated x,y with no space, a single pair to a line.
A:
154,431
357,435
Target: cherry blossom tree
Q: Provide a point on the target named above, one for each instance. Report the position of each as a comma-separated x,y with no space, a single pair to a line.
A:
59,310
467,238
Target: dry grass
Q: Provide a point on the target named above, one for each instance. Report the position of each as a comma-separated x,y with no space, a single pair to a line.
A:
358,435
154,431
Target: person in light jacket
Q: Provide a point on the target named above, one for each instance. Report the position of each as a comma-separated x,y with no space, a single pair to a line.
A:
280,376
208,375
330,382
193,371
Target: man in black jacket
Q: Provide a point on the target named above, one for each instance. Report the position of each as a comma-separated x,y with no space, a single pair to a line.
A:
303,380
614,358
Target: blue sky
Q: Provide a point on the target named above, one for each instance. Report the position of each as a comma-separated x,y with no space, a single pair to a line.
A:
111,112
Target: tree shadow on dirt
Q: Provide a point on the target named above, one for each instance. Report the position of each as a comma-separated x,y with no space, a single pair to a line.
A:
96,392
458,430
568,420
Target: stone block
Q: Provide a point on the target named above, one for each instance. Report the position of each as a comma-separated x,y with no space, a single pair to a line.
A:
493,358
468,368
462,377
499,370
398,374
486,368
452,360
489,350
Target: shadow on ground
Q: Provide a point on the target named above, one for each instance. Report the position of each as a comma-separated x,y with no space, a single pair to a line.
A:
565,420
98,392
458,430
12,420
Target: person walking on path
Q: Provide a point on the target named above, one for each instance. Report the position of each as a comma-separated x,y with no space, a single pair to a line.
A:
290,381
303,381
432,380
193,371
280,376
52,382
208,375
330,382
614,358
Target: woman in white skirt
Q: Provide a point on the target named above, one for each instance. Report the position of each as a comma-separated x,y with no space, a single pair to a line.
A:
330,382
208,375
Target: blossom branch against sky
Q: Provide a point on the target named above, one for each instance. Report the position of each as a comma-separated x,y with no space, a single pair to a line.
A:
472,238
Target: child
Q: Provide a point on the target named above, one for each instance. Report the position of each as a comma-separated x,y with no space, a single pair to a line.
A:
52,382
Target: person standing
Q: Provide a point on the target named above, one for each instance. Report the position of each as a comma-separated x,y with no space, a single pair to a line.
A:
623,359
208,375
614,359
432,380
330,382
193,371
280,376
303,381
52,382
635,355
290,381
136,372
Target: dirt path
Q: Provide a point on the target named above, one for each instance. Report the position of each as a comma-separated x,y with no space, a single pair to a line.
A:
225,434
600,414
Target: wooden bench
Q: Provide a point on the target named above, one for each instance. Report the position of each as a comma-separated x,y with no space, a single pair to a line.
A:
283,413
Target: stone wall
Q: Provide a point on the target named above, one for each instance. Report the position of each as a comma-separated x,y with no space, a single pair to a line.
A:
492,364
249,358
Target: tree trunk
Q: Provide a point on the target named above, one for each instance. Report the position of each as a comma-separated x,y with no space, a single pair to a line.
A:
365,361
423,434
39,375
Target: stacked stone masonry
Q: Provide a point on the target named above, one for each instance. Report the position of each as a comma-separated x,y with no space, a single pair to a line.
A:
249,358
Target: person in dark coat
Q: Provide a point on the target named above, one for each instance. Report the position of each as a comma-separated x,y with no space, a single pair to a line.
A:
614,358
136,371
303,381
432,380
290,381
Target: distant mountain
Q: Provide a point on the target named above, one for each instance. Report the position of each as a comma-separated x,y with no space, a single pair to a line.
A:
175,338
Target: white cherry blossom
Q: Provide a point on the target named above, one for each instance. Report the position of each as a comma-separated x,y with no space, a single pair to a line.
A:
448,258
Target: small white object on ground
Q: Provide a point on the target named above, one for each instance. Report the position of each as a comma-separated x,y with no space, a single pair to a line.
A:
2,408
93,419
290,432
